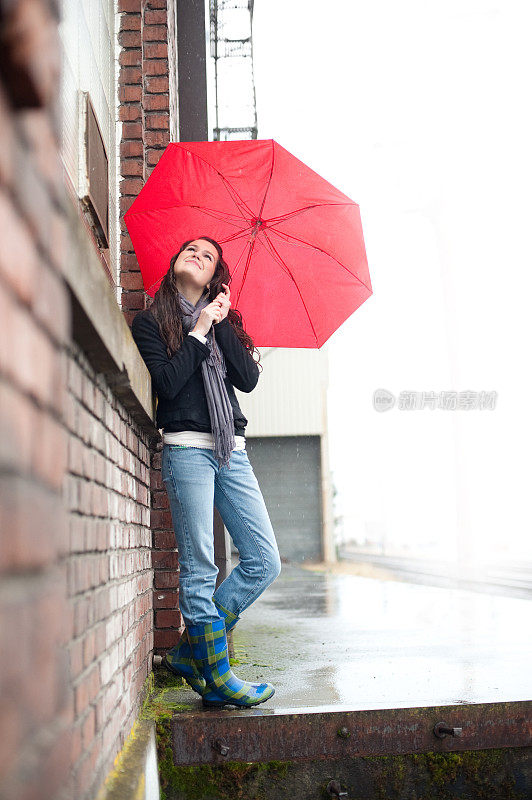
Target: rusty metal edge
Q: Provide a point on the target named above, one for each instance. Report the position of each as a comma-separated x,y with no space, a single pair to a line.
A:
198,738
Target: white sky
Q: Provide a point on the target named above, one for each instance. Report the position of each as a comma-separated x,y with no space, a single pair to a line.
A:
420,112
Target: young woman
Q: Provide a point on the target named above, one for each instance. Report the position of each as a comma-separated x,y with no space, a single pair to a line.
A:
197,351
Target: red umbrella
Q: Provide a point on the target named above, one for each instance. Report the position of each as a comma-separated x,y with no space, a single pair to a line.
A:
293,242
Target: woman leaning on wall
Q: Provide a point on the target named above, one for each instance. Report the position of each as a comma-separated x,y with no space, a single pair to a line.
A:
197,351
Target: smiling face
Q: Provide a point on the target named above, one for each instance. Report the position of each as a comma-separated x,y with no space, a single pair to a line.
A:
195,265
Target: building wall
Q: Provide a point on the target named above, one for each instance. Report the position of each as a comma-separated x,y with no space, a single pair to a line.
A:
290,398
76,432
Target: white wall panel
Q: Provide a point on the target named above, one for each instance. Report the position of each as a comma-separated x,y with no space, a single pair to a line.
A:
290,397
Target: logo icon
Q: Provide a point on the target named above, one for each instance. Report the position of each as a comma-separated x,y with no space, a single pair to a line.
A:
383,400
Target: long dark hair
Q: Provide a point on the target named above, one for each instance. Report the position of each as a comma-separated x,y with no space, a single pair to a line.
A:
166,307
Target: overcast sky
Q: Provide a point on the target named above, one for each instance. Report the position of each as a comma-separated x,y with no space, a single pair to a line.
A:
420,112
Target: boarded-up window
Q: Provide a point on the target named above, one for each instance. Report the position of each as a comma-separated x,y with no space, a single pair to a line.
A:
96,198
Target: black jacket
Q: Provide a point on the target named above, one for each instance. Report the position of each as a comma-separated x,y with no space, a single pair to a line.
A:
178,381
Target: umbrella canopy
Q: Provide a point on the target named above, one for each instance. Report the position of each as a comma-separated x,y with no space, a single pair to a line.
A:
292,241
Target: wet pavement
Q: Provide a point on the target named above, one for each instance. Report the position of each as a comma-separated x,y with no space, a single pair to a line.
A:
331,642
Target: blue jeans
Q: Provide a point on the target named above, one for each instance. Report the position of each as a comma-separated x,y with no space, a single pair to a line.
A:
195,483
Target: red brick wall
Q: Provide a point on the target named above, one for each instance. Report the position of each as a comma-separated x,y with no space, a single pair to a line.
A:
144,109
108,567
35,713
168,618
76,588
145,97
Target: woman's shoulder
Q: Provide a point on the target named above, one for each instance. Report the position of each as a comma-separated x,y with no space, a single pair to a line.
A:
145,329
144,318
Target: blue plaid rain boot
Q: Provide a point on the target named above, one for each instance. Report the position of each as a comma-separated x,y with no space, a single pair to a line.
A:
179,659
209,651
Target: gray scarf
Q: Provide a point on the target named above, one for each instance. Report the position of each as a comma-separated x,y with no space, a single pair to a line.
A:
214,371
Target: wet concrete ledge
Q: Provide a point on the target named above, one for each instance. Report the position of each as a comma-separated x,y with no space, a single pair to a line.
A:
340,641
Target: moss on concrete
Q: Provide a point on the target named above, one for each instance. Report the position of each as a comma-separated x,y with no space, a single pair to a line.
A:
479,774
162,678
480,769
165,697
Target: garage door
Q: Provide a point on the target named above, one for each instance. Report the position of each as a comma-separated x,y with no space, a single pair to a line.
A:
289,475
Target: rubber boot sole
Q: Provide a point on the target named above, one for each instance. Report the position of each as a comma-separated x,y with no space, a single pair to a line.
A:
212,704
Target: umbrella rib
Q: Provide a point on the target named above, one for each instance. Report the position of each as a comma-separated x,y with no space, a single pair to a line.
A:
273,255
225,216
238,262
279,259
225,181
315,247
241,232
248,259
232,191
154,283
290,214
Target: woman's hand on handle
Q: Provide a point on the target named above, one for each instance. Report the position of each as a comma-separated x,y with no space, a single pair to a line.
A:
224,302
214,312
